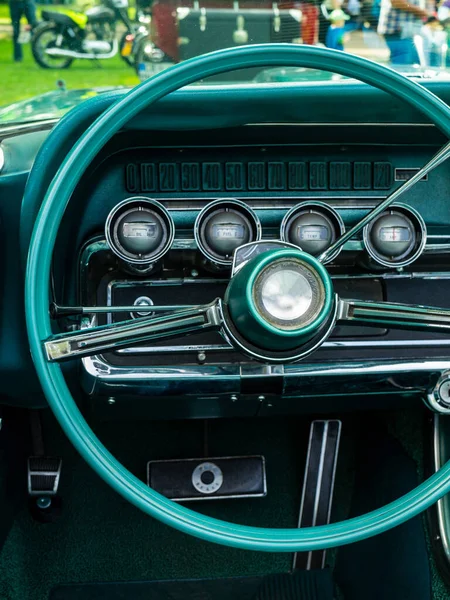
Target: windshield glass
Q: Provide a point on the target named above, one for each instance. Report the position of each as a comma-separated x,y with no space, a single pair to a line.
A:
54,56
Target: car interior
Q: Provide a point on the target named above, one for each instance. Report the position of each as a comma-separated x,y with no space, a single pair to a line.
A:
224,342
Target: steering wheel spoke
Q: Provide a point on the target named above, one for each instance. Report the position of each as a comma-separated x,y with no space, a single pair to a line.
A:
395,315
131,333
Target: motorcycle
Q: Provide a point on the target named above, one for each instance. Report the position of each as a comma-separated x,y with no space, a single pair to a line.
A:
65,36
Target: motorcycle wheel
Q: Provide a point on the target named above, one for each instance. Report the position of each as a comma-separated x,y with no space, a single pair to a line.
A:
45,37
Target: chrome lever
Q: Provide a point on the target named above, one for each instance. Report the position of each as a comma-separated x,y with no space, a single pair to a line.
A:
126,334
58,312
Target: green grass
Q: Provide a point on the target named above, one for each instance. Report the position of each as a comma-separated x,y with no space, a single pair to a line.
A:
23,80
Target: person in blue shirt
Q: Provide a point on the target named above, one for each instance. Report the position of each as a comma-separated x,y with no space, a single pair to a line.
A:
336,31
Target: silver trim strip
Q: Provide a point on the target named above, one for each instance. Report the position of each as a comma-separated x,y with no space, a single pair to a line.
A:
319,483
99,368
330,344
2,159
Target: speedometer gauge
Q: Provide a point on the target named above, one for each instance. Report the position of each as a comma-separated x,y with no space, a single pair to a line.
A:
396,238
313,227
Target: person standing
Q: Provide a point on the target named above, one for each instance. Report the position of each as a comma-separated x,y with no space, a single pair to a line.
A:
310,21
18,8
326,8
400,21
336,33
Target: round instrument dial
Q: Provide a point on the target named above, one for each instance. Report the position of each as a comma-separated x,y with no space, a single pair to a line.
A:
313,227
395,238
139,231
224,225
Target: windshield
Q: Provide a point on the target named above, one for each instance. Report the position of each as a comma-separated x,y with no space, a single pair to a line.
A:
54,56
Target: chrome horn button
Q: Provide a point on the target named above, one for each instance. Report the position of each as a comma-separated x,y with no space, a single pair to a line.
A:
288,293
279,300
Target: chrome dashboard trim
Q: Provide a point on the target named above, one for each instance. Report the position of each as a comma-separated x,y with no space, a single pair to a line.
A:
327,345
11,130
2,159
221,380
296,369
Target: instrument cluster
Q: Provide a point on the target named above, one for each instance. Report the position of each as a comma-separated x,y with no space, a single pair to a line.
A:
140,231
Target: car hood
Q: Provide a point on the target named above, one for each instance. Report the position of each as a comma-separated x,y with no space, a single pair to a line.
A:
51,105
302,74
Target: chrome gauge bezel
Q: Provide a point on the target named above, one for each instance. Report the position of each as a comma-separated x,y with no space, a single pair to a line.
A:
240,207
320,208
128,205
412,254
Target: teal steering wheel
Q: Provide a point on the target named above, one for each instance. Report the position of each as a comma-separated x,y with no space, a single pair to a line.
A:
39,325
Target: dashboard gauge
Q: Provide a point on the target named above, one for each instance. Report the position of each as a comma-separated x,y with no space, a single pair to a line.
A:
313,227
396,238
224,225
139,231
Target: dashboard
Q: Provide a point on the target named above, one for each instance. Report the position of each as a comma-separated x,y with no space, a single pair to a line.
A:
155,222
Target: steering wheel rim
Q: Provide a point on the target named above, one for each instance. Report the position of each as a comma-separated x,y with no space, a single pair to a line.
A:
39,325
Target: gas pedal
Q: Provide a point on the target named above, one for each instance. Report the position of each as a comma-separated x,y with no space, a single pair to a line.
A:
208,478
318,486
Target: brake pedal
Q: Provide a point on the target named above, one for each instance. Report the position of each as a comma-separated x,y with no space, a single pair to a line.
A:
44,473
208,478
318,486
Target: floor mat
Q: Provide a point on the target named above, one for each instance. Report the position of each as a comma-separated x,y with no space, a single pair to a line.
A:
101,537
308,585
395,564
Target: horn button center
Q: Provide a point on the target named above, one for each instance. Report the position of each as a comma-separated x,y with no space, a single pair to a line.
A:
288,294
279,300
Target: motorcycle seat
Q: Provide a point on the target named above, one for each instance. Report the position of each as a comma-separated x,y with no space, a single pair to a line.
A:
99,14
56,17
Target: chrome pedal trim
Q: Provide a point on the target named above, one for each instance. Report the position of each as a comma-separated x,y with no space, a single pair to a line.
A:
318,486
